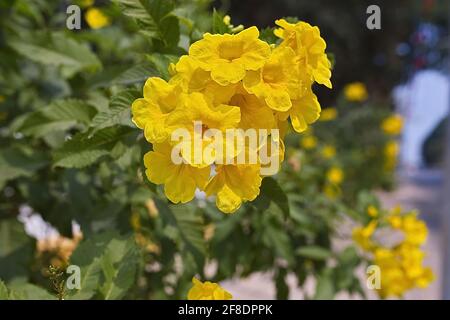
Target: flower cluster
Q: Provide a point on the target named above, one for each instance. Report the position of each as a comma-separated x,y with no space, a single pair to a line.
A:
207,291
401,265
230,82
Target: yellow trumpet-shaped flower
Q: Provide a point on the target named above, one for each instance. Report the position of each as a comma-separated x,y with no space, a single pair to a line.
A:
233,185
207,291
277,82
150,113
228,57
309,47
180,180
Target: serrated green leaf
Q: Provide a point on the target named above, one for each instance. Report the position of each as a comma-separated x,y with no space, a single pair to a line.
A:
28,291
155,19
83,150
16,163
314,252
60,115
118,112
189,226
60,50
108,265
119,266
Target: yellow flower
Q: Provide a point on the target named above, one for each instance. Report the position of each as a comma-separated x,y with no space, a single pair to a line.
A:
355,91
150,113
392,125
195,108
328,114
207,291
277,82
372,211
233,185
192,78
329,152
362,235
228,57
335,175
309,47
2,99
304,111
180,181
415,230
96,19
254,112
308,142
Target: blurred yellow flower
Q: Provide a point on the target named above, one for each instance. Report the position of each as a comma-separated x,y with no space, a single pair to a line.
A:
308,142
329,152
335,175
207,291
356,92
362,235
328,114
372,211
391,151
392,125
401,265
96,19
2,98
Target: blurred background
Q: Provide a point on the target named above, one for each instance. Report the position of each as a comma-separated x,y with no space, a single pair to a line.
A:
404,65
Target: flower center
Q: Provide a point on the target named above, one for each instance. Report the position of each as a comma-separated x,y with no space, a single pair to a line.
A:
231,50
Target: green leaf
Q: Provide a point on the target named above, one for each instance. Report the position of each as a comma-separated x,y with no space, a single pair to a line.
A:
189,226
83,150
268,36
119,266
218,26
16,250
272,192
60,115
325,286
118,112
162,62
28,291
15,163
155,18
58,49
136,74
314,252
108,265
3,291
